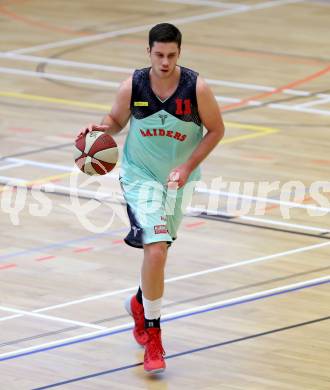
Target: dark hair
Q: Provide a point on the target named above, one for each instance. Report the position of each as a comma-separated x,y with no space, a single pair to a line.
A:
165,32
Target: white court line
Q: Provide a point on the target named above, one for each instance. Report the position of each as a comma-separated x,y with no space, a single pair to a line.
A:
247,262
112,84
315,102
66,63
193,210
15,165
52,343
12,181
262,199
174,315
298,92
42,164
248,296
131,30
51,318
12,317
225,99
280,223
56,76
183,277
73,169
299,109
207,3
115,197
117,69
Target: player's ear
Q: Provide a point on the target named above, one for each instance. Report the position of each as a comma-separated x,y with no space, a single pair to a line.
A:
148,50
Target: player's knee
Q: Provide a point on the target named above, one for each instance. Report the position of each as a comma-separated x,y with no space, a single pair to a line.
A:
156,253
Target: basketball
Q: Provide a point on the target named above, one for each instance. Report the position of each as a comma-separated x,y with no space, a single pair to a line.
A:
96,153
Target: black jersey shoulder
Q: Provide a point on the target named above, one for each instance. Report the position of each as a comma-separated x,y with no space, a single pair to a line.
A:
182,104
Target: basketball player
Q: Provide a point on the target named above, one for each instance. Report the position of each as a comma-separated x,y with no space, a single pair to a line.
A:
167,106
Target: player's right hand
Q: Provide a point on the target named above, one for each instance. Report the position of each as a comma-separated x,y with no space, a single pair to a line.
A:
91,127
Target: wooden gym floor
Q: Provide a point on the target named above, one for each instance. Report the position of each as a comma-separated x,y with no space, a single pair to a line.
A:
247,293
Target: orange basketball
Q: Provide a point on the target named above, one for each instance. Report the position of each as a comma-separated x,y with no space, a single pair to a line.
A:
96,153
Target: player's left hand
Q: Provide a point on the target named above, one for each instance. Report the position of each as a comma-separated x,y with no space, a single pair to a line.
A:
179,175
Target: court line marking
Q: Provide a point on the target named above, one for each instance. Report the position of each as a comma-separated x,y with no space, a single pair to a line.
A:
299,109
262,220
6,266
315,102
37,23
65,63
65,190
17,181
235,102
182,277
9,166
8,182
260,131
57,76
179,21
108,68
40,164
67,102
207,3
167,317
262,199
294,83
51,318
187,352
192,300
191,211
118,69
25,183
63,244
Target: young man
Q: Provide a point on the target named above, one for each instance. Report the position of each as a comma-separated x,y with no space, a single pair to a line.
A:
168,106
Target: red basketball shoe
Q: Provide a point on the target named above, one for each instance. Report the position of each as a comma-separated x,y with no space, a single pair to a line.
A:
135,309
154,352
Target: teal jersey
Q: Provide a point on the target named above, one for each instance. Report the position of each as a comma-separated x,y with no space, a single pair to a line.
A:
162,134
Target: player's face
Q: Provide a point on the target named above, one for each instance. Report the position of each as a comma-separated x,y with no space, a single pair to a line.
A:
163,57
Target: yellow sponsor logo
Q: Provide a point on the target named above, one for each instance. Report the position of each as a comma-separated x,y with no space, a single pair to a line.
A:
141,104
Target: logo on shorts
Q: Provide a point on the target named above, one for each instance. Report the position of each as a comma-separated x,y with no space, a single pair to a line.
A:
135,230
160,229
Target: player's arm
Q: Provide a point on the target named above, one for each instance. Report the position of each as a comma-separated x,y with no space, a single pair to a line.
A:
120,112
210,115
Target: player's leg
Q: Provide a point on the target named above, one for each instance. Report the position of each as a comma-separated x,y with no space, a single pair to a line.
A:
133,303
155,254
152,277
148,230
153,270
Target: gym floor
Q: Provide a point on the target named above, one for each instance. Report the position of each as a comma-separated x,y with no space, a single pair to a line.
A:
246,304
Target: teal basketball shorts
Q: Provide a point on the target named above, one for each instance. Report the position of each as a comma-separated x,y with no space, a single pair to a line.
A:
155,213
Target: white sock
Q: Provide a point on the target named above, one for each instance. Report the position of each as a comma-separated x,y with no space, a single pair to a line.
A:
152,308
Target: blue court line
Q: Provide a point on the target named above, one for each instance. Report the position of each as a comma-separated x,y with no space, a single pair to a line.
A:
188,352
62,244
90,338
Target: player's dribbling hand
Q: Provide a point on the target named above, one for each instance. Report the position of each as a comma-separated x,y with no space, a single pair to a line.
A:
90,128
